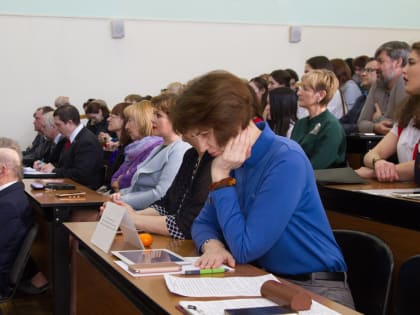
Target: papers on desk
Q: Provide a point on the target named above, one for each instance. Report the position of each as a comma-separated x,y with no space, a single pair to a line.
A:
222,287
218,307
406,193
32,171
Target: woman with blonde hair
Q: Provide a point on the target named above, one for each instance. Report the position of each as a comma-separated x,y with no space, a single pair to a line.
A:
320,134
155,174
139,118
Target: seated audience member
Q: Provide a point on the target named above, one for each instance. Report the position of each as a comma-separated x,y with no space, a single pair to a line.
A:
335,105
174,214
417,169
15,217
38,147
97,112
61,100
116,124
278,78
156,173
283,107
388,90
294,78
175,88
55,139
260,87
139,118
258,114
263,206
359,63
320,134
404,136
368,77
133,98
349,89
82,155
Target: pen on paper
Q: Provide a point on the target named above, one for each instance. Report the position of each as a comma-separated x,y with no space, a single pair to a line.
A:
205,271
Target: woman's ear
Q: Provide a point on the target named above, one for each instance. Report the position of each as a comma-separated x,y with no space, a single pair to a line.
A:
322,95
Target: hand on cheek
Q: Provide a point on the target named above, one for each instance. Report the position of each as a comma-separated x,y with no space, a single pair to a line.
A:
236,151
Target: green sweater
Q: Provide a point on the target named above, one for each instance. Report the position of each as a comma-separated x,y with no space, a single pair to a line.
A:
323,140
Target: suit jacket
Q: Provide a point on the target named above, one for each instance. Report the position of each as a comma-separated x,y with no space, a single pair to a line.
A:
54,153
15,220
83,160
36,151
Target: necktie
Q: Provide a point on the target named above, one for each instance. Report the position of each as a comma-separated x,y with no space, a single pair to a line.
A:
67,145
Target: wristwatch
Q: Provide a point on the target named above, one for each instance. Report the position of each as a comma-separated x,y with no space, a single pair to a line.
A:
374,160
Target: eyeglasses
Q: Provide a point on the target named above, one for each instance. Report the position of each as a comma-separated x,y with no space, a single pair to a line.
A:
369,70
199,133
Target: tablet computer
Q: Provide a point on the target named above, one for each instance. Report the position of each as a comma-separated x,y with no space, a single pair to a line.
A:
140,256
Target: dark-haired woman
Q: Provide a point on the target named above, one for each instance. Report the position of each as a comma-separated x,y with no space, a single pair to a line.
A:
283,107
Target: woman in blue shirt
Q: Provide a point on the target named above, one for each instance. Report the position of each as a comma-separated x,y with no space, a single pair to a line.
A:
263,206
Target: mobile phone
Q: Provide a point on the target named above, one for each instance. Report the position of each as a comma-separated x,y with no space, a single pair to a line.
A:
154,267
37,186
76,194
59,186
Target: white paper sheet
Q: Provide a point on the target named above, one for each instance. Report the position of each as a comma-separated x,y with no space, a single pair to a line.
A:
218,307
209,287
106,229
388,192
31,171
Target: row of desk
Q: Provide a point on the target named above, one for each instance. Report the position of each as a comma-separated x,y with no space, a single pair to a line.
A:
394,220
52,247
98,284
111,290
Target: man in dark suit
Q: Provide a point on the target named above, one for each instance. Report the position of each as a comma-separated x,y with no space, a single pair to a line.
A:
15,212
82,156
55,140
39,146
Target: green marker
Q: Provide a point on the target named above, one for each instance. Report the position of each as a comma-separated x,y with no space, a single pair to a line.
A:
205,271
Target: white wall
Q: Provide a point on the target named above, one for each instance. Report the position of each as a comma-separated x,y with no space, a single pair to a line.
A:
43,57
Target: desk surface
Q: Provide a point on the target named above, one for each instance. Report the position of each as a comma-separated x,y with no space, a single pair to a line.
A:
48,198
351,199
154,287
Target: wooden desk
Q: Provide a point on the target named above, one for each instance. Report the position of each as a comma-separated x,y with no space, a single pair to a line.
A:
396,221
102,286
51,249
350,200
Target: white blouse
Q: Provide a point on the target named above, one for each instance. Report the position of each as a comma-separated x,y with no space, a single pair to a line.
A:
407,141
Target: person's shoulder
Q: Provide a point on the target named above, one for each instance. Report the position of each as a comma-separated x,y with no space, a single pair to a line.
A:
180,145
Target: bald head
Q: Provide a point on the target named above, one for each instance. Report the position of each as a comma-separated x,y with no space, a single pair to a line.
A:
10,160
10,166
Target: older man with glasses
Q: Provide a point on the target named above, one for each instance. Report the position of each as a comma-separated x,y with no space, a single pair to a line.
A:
388,91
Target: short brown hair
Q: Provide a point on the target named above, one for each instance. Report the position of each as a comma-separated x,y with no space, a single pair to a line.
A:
164,102
321,80
217,100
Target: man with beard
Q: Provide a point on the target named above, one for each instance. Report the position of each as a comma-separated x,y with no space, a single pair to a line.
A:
388,91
